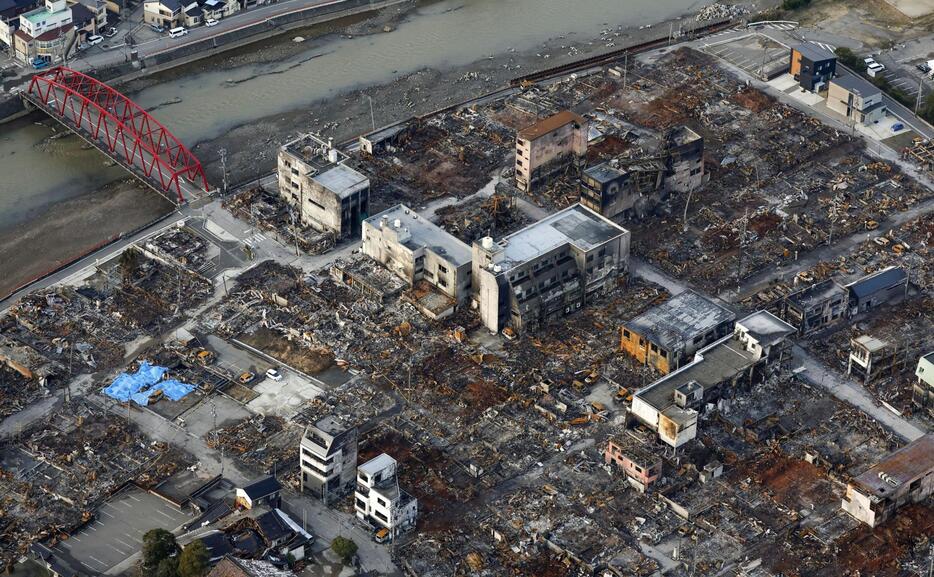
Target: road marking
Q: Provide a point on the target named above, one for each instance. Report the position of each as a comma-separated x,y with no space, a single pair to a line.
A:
91,527
115,549
75,537
164,515
122,542
106,513
134,498
64,544
98,561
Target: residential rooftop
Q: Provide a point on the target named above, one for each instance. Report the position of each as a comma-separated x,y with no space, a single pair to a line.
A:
377,464
424,234
680,319
856,85
766,328
813,52
815,294
879,280
902,467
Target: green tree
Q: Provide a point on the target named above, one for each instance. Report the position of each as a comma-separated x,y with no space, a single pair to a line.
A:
193,562
344,548
158,545
168,567
849,59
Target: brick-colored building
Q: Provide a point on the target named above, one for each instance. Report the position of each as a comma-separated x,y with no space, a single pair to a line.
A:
549,146
642,468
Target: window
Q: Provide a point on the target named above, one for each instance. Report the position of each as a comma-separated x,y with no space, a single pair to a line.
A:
442,269
664,353
626,334
654,348
442,282
519,162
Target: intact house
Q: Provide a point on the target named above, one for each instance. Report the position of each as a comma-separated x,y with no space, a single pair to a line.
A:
670,405
46,33
10,11
549,146
876,289
417,250
548,269
668,335
816,306
328,459
264,491
905,476
198,12
165,13
812,66
378,499
621,188
89,18
856,99
316,182
923,390
641,467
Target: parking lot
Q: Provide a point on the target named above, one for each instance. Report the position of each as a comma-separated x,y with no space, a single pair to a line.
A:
754,54
118,531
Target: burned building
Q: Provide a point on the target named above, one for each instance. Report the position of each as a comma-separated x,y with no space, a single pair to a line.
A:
328,459
668,335
622,190
327,194
549,146
641,467
548,269
906,476
684,160
670,405
816,306
871,358
923,390
876,289
417,249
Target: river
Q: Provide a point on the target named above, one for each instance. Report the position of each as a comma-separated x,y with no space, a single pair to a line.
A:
202,106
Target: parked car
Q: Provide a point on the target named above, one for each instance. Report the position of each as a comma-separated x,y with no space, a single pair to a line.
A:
246,377
875,69
94,40
110,32
157,28
274,375
381,536
39,63
178,32
211,22
923,67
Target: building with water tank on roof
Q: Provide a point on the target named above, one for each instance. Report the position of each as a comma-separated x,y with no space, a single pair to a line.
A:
548,269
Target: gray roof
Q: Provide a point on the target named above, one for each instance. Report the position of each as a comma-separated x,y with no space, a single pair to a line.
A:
813,52
425,234
575,225
342,180
903,467
856,85
680,319
879,280
766,328
815,294
603,172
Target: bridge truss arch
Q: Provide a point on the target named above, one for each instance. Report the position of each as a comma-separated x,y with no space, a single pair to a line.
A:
119,127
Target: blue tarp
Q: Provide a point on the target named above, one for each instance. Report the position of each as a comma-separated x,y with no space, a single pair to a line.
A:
142,384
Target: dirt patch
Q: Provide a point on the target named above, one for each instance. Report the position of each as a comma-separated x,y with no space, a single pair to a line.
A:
308,361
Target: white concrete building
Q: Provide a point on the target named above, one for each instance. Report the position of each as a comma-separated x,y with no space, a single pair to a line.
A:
46,33
328,459
416,249
379,500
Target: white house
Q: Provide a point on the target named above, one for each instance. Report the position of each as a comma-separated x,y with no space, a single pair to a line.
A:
378,498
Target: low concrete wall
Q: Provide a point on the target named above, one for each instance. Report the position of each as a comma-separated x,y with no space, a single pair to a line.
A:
11,108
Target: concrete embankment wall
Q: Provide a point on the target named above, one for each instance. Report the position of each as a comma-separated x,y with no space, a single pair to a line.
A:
12,107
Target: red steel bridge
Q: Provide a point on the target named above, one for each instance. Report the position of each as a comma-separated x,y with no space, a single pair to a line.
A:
120,129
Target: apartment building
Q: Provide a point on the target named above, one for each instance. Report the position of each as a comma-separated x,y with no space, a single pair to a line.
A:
549,146
328,459
379,501
621,190
416,249
684,160
548,269
46,33
670,406
666,336
328,195
906,476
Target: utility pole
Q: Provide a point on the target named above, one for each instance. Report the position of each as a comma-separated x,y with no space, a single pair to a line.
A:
920,90
625,68
671,26
372,116
223,153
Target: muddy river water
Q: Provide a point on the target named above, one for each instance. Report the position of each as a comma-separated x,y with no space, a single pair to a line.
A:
38,172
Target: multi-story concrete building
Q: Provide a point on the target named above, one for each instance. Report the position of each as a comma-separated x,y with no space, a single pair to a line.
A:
327,194
378,499
549,146
45,33
548,269
416,249
668,335
642,468
906,476
620,190
670,405
871,358
684,160
816,306
328,459
857,99
923,391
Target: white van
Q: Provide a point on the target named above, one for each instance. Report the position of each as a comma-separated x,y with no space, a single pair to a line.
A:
177,32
